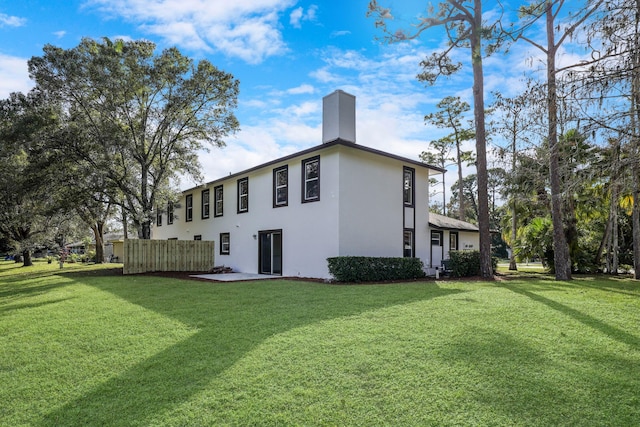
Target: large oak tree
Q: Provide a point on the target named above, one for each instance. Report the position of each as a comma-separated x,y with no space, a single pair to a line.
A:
136,117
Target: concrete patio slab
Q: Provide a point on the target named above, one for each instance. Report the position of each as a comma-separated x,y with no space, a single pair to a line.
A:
234,277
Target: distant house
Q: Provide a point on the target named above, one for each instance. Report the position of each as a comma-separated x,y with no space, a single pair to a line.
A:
287,216
450,234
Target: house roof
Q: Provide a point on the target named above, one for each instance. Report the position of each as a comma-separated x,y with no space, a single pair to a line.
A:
320,147
446,223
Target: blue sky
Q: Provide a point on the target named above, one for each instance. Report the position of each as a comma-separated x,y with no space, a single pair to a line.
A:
287,54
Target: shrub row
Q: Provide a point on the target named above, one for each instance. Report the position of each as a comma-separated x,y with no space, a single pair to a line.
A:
374,269
467,263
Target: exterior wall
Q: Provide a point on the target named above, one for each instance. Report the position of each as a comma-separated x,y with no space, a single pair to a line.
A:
360,212
309,230
372,212
468,241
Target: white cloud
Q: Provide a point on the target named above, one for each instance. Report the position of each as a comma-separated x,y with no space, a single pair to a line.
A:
302,89
295,17
246,29
60,34
339,33
15,75
298,15
11,21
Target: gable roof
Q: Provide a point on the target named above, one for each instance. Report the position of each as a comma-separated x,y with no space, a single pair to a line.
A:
320,147
446,223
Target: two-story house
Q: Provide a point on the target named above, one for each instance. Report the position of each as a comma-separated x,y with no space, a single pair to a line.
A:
287,216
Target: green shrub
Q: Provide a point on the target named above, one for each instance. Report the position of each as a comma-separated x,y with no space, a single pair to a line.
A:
73,258
467,263
374,269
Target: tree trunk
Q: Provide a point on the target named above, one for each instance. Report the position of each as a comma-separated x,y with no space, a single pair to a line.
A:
26,256
514,223
461,212
635,123
125,228
614,243
486,268
603,242
513,266
635,172
444,192
98,232
562,260
145,230
636,220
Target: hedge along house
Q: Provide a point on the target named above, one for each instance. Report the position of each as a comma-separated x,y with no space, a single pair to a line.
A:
287,216
450,234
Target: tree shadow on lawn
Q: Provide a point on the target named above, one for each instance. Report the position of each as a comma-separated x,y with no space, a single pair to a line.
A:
623,285
231,320
519,382
587,320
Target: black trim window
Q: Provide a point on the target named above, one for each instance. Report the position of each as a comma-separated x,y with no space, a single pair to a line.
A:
243,195
205,204
281,186
408,185
436,238
189,207
453,240
218,200
197,237
225,243
408,244
158,217
311,179
170,213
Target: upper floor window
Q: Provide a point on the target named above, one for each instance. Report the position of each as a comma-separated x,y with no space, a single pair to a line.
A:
281,186
311,180
408,182
158,217
170,213
218,200
189,207
205,204
243,195
197,237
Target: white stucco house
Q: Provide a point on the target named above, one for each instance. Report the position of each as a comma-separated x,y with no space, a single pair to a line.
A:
450,234
287,216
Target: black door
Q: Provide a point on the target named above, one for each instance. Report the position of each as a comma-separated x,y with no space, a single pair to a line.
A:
270,252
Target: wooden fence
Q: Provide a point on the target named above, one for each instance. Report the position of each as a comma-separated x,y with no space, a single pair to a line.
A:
143,256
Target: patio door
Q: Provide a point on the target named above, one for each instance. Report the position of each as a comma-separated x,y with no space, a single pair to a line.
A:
270,252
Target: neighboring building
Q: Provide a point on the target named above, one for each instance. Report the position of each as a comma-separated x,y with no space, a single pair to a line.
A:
287,216
450,234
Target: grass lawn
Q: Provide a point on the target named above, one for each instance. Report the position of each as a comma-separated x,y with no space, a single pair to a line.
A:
79,346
